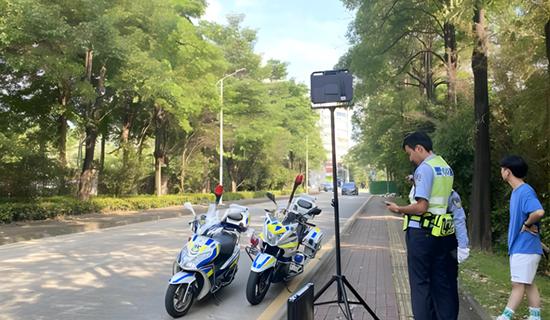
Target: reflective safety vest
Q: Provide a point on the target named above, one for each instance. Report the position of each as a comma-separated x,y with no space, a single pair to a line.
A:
437,210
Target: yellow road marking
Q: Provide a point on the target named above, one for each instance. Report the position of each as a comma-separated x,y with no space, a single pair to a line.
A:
270,312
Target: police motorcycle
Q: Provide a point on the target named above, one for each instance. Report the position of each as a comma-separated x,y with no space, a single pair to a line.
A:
275,252
209,260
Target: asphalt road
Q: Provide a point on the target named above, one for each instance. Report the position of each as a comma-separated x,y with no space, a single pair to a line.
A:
122,272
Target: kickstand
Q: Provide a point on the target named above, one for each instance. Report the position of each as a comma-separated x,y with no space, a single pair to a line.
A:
217,300
287,289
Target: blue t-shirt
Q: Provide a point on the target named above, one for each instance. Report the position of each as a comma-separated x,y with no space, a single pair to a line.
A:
523,202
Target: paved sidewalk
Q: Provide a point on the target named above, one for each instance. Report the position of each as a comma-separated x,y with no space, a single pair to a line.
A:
374,261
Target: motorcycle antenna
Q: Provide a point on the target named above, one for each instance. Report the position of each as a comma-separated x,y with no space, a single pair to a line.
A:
218,192
298,181
330,90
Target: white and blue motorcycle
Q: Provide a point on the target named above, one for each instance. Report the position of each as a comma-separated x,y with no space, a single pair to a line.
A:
281,250
209,260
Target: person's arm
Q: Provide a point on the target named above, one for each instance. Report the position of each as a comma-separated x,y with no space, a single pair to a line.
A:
459,218
529,224
423,182
418,208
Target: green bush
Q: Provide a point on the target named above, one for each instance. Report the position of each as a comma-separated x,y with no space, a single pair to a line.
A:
49,208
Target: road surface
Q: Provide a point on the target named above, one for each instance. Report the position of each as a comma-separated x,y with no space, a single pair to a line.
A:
122,272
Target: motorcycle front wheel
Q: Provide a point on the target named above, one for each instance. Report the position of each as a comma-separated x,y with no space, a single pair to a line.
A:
172,303
257,286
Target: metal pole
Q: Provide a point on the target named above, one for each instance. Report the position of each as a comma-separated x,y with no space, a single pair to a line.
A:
307,171
221,138
335,187
221,125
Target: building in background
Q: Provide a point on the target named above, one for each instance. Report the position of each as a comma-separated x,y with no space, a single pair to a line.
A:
343,130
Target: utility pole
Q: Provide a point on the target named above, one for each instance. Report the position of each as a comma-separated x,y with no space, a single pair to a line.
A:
307,171
221,123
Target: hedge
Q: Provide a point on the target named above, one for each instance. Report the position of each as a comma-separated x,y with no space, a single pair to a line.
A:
49,208
381,187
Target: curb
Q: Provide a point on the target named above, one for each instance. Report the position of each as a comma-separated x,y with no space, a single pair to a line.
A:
476,307
282,312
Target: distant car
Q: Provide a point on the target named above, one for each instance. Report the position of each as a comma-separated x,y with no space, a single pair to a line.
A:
327,187
350,188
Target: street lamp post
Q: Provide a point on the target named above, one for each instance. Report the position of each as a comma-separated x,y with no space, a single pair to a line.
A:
221,123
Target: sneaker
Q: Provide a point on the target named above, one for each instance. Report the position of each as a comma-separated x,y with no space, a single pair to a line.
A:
533,318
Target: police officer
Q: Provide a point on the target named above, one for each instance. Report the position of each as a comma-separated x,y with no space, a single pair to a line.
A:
430,238
454,207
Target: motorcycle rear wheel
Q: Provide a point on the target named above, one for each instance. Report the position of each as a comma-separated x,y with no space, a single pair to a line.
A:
175,308
257,286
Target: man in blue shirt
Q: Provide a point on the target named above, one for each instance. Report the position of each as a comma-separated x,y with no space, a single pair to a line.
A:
524,245
431,258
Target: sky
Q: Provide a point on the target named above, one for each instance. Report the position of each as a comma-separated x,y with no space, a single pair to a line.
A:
309,34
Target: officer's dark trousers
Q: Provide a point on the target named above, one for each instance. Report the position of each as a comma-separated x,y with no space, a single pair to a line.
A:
433,272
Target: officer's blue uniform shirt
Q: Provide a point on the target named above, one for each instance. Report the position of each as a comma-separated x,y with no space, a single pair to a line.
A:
423,180
523,202
459,217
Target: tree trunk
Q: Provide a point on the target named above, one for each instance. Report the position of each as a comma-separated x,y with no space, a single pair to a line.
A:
183,170
91,117
160,146
126,127
158,176
480,209
102,153
450,61
233,172
428,66
206,176
63,140
547,32
126,137
87,177
63,151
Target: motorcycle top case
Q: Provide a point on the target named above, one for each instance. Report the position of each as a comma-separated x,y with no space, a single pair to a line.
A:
312,242
236,217
303,204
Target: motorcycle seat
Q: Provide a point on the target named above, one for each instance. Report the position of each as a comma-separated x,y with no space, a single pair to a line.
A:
227,242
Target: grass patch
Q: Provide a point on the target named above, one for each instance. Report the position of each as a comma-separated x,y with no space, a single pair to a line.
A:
487,277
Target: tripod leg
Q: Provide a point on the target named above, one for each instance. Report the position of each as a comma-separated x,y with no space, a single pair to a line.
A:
344,298
360,299
324,288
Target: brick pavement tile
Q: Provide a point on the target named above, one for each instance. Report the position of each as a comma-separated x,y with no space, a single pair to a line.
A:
366,264
321,311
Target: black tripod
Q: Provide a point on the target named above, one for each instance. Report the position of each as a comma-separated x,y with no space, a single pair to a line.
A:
338,277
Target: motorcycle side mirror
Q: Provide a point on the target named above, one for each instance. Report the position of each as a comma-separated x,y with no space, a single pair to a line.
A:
314,211
190,208
193,226
218,192
271,197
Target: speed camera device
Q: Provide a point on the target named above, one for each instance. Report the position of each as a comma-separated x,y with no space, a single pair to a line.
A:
333,88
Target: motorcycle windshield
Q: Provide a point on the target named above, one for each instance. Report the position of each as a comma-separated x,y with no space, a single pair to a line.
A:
211,224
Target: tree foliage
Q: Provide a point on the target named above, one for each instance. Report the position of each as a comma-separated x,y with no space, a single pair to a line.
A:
394,42
126,91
